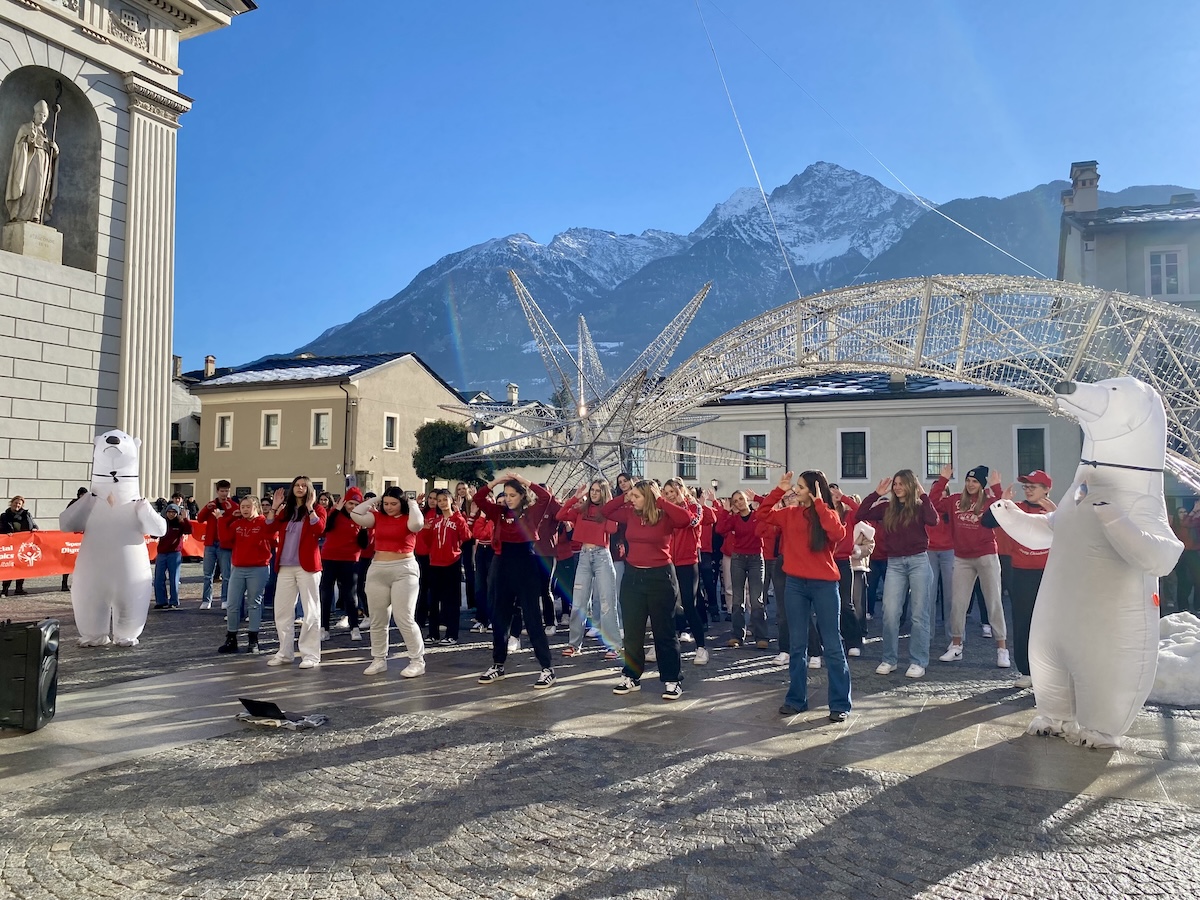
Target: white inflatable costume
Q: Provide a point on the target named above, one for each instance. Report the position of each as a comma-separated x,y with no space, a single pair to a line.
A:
1094,639
113,578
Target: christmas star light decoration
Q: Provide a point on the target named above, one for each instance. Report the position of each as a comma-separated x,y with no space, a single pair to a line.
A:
601,425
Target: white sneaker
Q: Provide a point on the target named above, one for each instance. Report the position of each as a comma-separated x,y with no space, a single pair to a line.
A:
593,632
309,663
854,651
377,667
953,652
206,604
414,668
814,662
651,655
1024,681
324,634
224,604
364,622
563,621
278,661
514,644
686,638
550,629
355,634
885,668
987,630
915,671
343,622
782,659
1002,658
298,622
701,657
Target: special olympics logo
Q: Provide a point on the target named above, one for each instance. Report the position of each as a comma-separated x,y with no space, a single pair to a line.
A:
29,553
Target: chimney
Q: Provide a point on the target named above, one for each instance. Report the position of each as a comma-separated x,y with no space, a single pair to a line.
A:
512,394
1068,200
176,366
210,366
1085,182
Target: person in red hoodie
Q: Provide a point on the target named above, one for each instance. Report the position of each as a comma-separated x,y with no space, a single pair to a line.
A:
545,547
941,560
647,591
298,521
215,556
447,531
710,564
974,556
595,575
426,615
339,562
366,553
1027,567
810,532
685,556
739,527
251,541
483,530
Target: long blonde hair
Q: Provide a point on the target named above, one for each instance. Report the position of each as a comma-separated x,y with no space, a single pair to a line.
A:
650,512
965,502
591,510
902,512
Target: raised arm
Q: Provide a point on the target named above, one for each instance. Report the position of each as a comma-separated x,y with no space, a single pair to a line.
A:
678,516
363,515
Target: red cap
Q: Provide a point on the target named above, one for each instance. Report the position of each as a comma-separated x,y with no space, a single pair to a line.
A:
353,494
1037,476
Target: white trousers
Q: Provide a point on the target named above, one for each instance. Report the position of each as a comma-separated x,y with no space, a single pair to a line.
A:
294,580
987,570
392,588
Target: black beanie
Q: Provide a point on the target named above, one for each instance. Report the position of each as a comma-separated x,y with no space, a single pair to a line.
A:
980,474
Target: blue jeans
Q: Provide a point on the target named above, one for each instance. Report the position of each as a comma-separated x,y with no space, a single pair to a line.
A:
166,578
246,582
595,579
905,574
942,563
215,556
806,597
747,571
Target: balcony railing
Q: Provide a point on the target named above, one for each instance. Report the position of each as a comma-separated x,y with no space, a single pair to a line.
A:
185,457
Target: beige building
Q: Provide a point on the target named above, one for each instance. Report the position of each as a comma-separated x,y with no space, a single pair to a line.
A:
85,333
861,428
340,420
1149,250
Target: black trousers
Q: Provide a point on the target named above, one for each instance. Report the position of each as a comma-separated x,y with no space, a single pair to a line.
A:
1022,591
564,582
515,577
445,597
340,574
426,615
710,565
483,565
468,567
648,594
689,583
544,569
360,574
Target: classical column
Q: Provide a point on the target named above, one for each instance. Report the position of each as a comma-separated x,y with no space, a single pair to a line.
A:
147,312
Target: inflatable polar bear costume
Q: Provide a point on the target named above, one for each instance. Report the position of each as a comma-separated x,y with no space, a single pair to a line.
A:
113,578
1094,639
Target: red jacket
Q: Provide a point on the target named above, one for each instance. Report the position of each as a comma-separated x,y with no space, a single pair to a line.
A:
740,534
971,539
685,541
446,535
251,539
341,538
799,559
649,545
587,530
310,536
211,529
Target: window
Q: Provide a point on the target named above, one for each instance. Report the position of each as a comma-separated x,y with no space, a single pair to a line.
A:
175,431
390,483
686,465
754,446
939,450
270,429
1166,271
321,421
635,463
852,455
225,431
1031,449
391,428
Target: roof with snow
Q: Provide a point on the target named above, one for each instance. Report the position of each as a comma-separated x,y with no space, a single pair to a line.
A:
309,370
855,386
1167,213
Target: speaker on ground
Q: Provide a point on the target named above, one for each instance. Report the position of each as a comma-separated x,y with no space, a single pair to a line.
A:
28,673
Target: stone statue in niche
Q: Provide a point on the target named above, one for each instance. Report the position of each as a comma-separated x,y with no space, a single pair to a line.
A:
31,183
31,187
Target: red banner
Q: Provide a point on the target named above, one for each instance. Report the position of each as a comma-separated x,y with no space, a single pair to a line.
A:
35,554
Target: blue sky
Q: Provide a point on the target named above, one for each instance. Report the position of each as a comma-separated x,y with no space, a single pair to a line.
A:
335,150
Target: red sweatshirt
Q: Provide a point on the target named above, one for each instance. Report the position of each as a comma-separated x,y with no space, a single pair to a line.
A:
1023,557
565,546
482,529
587,529
309,551
799,559
514,526
971,539
706,528
251,540
446,535
740,533
391,533
649,545
907,540
341,538
770,537
940,535
173,539
547,531
685,541
211,536
845,547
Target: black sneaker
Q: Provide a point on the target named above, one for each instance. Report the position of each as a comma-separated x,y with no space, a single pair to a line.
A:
627,685
448,642
672,691
546,679
494,673
838,715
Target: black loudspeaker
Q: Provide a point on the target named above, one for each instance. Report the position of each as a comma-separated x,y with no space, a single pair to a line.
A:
28,673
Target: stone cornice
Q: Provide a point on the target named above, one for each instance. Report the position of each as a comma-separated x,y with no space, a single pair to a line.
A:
155,100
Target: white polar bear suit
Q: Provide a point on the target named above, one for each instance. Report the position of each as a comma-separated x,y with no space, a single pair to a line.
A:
113,577
1093,642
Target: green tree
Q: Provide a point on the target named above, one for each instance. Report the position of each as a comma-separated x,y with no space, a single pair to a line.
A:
436,440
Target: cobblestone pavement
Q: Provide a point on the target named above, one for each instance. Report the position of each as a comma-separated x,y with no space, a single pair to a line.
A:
507,792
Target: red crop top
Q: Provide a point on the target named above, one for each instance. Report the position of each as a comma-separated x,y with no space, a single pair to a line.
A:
392,534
